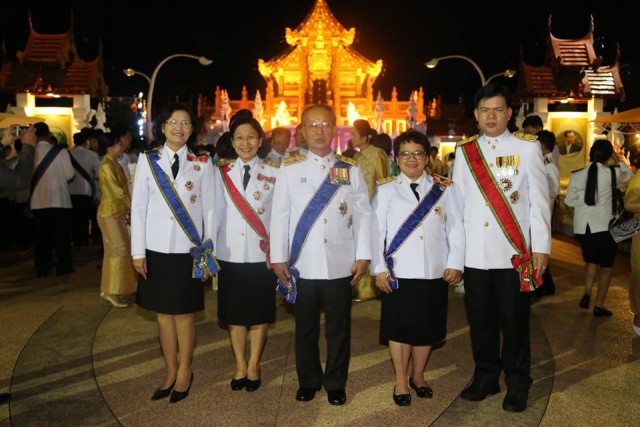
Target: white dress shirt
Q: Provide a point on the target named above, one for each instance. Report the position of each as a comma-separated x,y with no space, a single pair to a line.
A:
527,193
236,240
436,244
91,163
153,225
341,234
52,190
597,216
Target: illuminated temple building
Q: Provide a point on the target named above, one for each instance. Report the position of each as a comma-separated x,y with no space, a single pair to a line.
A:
320,65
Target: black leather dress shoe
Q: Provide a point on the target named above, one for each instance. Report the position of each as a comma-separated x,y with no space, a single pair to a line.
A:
584,301
337,397
478,391
401,399
177,396
515,400
161,393
4,398
238,384
253,385
425,392
305,394
601,312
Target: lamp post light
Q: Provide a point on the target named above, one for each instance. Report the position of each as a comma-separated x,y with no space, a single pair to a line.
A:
130,72
152,81
507,73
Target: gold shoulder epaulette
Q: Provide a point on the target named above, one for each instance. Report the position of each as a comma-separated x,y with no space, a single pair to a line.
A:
347,160
465,140
439,179
202,153
223,162
295,159
386,180
525,136
153,147
271,163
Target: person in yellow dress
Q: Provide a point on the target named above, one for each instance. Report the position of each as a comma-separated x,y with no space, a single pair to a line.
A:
374,164
119,278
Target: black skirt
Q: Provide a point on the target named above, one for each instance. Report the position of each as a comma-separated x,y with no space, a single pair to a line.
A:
416,313
246,293
169,288
598,248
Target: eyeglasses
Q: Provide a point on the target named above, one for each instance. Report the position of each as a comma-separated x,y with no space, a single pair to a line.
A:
405,155
318,125
176,123
497,110
251,139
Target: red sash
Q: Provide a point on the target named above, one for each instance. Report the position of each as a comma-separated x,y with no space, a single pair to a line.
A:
247,212
522,261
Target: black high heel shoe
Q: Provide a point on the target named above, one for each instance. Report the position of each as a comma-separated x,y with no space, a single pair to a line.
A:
425,392
177,396
238,384
161,393
253,385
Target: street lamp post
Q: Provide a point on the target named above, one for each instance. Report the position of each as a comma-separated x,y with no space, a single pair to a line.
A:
507,73
152,82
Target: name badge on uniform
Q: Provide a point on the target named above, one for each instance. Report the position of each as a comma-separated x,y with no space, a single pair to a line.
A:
339,176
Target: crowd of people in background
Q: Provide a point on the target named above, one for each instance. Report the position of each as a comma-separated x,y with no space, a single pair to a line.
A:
388,219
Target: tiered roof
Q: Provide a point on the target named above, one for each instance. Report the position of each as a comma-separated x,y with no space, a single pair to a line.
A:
50,63
571,70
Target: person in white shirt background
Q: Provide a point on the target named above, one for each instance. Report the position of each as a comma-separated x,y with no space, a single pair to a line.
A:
590,194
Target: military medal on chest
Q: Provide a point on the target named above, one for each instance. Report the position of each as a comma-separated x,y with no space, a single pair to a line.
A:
339,176
343,208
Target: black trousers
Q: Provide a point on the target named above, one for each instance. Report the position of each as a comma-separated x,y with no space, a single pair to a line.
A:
334,298
82,206
52,228
495,304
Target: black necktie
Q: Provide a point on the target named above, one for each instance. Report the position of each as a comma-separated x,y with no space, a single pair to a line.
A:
245,178
413,186
175,166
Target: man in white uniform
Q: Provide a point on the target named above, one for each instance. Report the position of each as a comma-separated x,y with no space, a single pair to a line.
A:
335,232
507,208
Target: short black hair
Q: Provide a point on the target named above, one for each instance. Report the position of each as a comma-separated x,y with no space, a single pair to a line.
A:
414,136
532,120
548,139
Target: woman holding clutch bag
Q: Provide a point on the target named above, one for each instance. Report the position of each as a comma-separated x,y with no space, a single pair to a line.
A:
418,249
589,193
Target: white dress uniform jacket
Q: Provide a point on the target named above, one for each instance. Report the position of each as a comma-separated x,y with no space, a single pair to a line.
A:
153,226
274,156
236,241
90,162
598,215
342,232
553,177
436,244
52,191
527,193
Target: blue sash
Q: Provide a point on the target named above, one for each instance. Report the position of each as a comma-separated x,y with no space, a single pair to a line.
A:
204,264
44,165
77,166
408,226
311,213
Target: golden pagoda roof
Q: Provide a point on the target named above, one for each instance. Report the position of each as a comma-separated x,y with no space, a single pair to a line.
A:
320,26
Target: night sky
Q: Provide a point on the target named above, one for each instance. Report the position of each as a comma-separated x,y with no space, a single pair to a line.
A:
403,33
